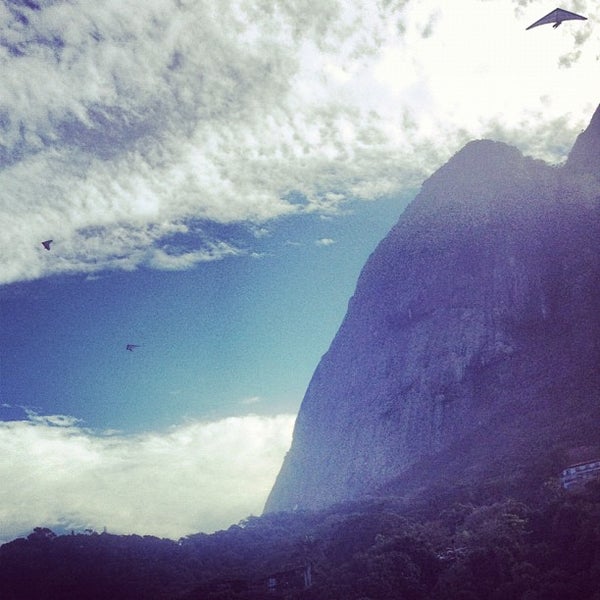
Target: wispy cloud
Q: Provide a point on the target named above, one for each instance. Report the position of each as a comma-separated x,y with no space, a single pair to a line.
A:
325,242
199,476
177,259
122,121
250,400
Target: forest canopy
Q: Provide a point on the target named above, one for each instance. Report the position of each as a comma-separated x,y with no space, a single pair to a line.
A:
463,544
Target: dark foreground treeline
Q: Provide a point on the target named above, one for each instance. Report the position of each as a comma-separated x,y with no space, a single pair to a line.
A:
450,545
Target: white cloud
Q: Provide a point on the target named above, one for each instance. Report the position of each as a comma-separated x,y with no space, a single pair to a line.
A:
199,476
173,259
325,242
154,114
51,420
251,400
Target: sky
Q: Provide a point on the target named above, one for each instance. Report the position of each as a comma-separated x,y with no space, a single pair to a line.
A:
213,177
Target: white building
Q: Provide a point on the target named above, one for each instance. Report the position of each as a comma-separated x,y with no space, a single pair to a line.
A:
579,474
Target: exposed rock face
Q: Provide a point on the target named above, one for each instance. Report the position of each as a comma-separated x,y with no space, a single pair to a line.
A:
585,155
472,342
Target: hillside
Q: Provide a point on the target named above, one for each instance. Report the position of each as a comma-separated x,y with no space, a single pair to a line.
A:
466,544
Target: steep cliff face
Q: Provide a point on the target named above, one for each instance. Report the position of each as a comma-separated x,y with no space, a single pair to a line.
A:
472,340
585,155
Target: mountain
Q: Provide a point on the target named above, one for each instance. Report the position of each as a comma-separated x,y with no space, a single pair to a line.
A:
470,348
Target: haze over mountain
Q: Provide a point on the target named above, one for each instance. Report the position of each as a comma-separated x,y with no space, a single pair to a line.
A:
470,348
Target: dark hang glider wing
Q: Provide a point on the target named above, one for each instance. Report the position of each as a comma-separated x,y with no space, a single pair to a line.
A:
557,16
46,244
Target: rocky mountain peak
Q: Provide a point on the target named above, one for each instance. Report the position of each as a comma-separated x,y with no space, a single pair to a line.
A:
469,349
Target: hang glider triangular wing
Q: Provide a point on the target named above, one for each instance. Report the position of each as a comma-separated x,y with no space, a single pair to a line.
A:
557,16
46,244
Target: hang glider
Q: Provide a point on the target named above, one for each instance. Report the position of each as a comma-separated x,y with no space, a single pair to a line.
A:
557,16
131,347
47,243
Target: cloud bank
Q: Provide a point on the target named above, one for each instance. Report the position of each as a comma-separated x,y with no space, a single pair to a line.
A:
199,476
123,124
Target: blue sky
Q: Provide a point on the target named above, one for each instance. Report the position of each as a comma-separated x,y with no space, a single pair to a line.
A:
236,335
214,176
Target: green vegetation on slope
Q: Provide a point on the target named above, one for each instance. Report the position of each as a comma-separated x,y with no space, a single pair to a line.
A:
466,545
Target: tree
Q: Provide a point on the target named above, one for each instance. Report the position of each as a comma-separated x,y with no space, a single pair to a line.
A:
41,534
